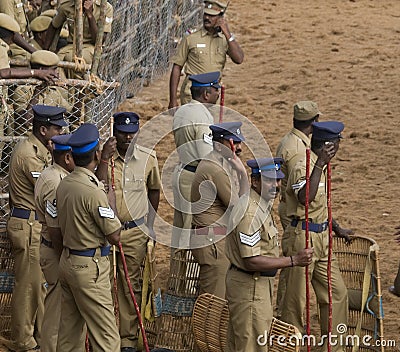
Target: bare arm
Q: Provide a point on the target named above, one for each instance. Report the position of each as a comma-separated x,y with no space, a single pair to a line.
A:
20,41
88,11
235,52
154,199
173,86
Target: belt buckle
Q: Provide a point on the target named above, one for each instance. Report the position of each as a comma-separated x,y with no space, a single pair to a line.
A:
324,226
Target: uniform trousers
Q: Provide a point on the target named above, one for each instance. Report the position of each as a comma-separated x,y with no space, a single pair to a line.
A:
52,303
86,297
213,267
295,296
134,243
182,188
66,54
185,94
27,301
250,311
397,282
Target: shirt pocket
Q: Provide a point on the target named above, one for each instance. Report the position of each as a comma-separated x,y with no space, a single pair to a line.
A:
134,183
273,238
201,54
220,55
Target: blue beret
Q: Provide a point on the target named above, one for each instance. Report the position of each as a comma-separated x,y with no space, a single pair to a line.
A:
61,142
84,139
267,167
126,122
209,79
50,114
227,130
327,130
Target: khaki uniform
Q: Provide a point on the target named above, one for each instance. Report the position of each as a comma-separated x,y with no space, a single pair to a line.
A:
294,240
141,174
45,200
211,209
66,12
249,294
290,149
16,10
53,96
4,109
200,52
28,160
85,218
191,132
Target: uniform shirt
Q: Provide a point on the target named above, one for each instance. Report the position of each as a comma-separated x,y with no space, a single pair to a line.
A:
28,159
202,52
290,149
217,194
141,174
66,12
48,96
4,59
191,131
83,212
15,9
254,231
45,197
318,210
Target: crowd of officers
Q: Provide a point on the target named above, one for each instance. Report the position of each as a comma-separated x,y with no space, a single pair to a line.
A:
70,199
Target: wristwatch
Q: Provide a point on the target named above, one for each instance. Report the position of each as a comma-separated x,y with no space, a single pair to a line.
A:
232,38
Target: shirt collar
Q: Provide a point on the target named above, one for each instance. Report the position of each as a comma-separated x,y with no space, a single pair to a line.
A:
306,140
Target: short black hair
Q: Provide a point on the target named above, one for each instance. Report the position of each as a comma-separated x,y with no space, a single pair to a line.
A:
198,91
299,124
36,124
85,158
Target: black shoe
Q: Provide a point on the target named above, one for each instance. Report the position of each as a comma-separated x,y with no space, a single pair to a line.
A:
128,349
393,292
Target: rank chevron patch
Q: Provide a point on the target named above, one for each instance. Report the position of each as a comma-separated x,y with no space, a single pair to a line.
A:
250,240
51,209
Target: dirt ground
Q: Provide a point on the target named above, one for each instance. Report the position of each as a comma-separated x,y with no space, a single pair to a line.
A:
345,56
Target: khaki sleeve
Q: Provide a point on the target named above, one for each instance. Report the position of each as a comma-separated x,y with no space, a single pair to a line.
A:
153,178
102,213
109,18
297,177
223,185
4,59
48,198
249,238
7,7
203,148
31,167
182,53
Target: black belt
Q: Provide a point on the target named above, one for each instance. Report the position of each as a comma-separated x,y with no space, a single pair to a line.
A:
313,227
269,273
133,223
190,168
22,213
47,243
105,251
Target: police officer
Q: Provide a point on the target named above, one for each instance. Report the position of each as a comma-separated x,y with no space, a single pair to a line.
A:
88,222
203,51
395,289
137,193
324,146
51,237
28,159
191,133
219,180
292,147
39,27
26,96
253,249
91,13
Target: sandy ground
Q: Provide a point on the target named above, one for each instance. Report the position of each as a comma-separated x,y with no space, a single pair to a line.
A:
344,55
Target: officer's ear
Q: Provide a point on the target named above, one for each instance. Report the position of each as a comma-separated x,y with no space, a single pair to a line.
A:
43,130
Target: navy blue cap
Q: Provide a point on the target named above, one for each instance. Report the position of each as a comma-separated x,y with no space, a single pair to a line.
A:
209,79
126,122
61,142
327,130
50,114
84,139
267,167
227,130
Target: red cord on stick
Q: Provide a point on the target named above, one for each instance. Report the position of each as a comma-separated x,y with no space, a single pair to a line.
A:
307,234
329,200
222,104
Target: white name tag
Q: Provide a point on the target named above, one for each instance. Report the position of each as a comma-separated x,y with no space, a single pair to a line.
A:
321,184
35,174
51,209
20,4
201,45
106,213
207,138
251,240
109,19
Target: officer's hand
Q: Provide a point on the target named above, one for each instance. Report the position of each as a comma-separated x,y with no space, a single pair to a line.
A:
304,257
88,7
221,23
173,104
344,233
109,148
111,197
327,152
49,76
397,234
